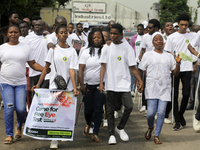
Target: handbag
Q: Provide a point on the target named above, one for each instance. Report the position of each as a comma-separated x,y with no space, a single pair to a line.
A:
59,80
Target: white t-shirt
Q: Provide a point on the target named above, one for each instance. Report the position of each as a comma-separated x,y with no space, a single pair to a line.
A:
92,67
195,44
118,58
86,34
147,42
74,36
158,78
14,58
138,46
65,59
21,39
52,38
38,45
177,42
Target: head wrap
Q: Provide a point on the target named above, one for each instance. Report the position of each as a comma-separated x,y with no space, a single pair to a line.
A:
156,33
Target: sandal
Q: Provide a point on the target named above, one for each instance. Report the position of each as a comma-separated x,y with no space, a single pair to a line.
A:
18,134
96,139
8,140
148,133
86,130
157,140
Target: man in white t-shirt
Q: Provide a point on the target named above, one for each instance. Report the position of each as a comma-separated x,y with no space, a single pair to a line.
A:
38,44
178,42
78,40
86,29
116,60
136,41
153,26
195,72
52,39
196,44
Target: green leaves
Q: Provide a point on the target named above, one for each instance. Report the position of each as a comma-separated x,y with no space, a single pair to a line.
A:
170,9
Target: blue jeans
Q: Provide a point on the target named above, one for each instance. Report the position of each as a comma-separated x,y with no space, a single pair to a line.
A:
93,104
155,105
14,98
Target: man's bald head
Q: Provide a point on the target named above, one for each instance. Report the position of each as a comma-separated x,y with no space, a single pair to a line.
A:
110,23
39,27
27,20
60,21
196,28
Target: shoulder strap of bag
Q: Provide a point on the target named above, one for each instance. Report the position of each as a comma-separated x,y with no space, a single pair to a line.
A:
78,37
56,69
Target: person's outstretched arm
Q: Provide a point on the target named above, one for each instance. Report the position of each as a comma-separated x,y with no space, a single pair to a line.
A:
42,76
137,76
102,73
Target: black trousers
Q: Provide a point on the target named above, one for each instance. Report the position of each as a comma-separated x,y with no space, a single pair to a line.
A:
185,79
143,77
33,81
113,102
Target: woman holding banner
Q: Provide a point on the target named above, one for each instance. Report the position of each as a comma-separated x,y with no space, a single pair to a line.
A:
13,56
64,61
89,77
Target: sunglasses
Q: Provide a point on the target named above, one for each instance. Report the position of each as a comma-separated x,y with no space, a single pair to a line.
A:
150,27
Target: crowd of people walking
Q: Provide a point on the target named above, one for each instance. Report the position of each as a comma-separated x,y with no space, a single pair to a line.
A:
105,68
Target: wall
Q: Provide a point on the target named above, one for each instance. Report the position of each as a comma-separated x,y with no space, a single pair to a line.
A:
115,11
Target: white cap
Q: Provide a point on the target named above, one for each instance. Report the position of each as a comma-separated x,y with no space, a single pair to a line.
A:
85,25
175,24
145,23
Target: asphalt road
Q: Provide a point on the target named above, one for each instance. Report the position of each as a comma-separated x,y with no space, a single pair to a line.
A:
185,139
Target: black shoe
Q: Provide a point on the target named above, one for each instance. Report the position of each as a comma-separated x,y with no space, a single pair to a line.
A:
190,107
177,127
182,122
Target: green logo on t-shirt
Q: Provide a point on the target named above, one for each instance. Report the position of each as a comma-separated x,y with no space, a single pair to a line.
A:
187,41
37,94
64,58
138,43
119,58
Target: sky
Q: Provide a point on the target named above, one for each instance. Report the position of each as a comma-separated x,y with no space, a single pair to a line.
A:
144,6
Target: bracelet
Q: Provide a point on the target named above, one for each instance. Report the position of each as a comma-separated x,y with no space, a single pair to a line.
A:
198,55
178,64
38,85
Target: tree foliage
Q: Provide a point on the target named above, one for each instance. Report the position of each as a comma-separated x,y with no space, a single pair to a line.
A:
25,8
171,9
62,2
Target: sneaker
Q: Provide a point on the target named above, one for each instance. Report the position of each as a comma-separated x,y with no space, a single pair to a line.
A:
177,127
105,123
122,134
91,130
167,121
143,109
132,93
196,124
116,115
112,140
182,122
54,144
145,113
190,107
